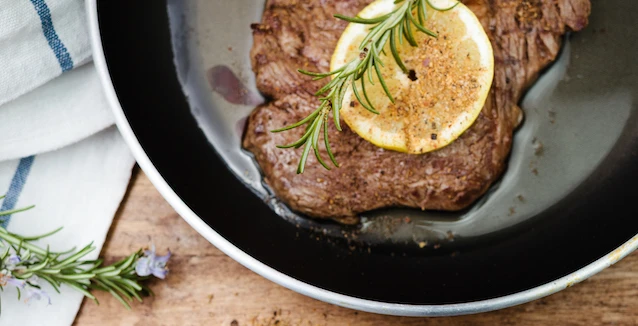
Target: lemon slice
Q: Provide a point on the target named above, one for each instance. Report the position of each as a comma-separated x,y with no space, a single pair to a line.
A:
442,95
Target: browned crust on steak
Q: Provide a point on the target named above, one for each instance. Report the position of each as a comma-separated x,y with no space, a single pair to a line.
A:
526,36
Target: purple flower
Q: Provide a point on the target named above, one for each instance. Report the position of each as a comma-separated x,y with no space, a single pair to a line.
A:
13,259
152,264
10,280
35,293
32,292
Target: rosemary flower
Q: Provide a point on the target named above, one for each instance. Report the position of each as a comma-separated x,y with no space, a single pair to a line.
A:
7,279
152,264
12,261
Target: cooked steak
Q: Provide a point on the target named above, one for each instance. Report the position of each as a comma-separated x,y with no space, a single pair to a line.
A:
526,37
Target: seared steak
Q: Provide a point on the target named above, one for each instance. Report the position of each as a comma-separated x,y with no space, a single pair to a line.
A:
526,37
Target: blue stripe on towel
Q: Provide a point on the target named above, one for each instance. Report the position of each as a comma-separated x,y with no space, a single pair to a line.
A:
64,58
17,183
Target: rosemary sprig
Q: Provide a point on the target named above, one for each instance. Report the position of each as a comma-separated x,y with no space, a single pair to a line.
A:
392,27
24,264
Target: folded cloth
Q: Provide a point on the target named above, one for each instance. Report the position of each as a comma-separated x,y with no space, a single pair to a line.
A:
39,40
78,187
59,113
57,150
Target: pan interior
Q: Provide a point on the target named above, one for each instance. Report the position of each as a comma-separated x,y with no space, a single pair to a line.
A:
574,115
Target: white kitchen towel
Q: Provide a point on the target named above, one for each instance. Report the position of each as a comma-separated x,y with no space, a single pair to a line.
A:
39,40
78,187
59,113
57,150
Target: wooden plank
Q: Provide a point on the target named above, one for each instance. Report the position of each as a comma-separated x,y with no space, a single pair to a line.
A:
207,287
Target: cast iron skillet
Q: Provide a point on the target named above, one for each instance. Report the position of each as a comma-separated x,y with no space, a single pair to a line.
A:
589,229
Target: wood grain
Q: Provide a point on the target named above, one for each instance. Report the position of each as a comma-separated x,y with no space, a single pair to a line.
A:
205,287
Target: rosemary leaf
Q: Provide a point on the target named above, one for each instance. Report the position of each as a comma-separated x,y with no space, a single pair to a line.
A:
14,211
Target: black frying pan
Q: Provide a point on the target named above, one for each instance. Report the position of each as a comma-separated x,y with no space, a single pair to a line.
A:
143,61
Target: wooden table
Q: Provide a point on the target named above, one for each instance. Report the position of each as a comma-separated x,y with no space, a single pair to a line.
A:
205,287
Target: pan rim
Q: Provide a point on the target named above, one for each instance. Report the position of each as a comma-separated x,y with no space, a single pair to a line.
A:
296,285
